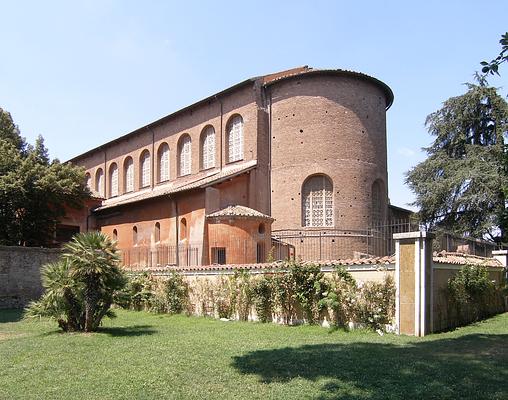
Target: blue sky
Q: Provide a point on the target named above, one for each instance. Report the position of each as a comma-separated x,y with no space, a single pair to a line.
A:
84,73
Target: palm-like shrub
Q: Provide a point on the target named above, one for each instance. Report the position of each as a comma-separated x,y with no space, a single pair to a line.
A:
81,285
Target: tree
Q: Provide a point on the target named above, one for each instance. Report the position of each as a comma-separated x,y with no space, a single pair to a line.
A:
459,187
9,131
79,288
493,66
33,191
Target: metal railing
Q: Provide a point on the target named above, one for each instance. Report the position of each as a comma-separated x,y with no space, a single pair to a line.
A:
160,255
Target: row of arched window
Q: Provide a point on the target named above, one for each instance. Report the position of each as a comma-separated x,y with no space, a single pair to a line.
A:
317,202
234,152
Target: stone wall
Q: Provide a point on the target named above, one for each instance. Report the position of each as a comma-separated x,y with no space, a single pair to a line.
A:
20,277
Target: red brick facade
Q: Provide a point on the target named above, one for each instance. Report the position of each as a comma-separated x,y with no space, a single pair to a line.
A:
296,124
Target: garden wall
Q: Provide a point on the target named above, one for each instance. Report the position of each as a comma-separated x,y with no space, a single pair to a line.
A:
20,277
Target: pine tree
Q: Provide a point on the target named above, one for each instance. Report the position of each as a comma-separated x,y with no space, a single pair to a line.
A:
459,187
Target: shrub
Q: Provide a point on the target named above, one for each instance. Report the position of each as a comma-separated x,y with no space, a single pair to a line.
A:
340,297
262,298
376,303
473,295
243,294
80,287
171,295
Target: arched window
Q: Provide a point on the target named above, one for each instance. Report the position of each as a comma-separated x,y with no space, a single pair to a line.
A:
99,182
235,138
134,235
144,178
113,180
377,203
115,234
163,160
157,233
88,181
208,148
183,229
317,201
128,169
184,155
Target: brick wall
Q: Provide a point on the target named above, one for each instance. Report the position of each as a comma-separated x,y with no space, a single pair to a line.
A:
20,277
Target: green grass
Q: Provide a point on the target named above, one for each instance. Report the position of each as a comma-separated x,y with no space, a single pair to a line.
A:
148,356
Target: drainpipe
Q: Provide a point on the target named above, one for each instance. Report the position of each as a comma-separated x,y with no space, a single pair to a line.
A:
270,153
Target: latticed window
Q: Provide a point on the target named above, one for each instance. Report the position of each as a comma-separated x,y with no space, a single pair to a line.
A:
235,139
99,182
129,175
317,202
164,163
185,156
208,148
113,180
145,169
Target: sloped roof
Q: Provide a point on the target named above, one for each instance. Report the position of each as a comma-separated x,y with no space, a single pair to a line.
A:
445,257
236,211
180,185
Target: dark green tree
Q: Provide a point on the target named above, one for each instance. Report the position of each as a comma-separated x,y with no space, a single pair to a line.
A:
9,131
33,191
459,187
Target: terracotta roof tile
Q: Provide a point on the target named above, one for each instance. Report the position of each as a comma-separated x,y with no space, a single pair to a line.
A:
238,211
445,257
180,185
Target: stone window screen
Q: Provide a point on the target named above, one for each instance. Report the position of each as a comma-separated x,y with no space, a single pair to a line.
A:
113,180
208,148
235,139
145,169
164,163
317,202
129,175
185,156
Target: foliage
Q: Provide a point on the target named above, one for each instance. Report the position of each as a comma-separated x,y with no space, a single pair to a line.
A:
33,191
309,286
138,293
459,186
243,294
341,297
284,296
376,303
262,293
493,66
171,295
80,287
9,132
473,295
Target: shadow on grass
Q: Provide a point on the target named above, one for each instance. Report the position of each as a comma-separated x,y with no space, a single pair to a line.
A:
471,367
126,331
11,315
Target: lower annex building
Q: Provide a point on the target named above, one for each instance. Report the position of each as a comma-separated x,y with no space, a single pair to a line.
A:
298,153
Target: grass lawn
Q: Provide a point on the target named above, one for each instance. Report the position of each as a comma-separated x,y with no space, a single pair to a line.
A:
148,356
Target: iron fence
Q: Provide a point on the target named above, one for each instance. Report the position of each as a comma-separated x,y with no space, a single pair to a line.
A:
319,244
141,257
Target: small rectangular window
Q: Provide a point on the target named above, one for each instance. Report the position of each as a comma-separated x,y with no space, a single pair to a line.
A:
260,253
218,255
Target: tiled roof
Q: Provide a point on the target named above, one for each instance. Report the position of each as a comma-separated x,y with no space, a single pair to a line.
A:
374,261
238,211
377,262
180,185
445,257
